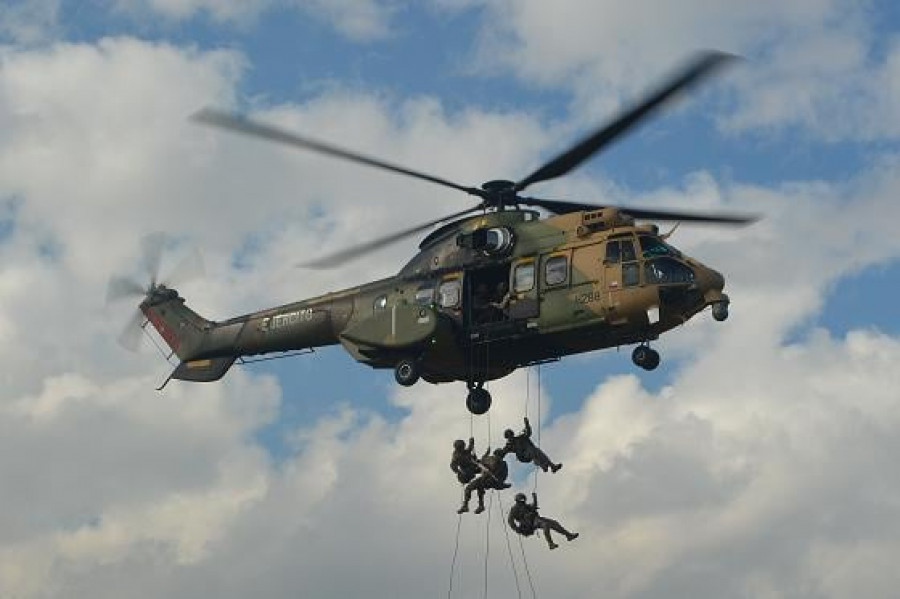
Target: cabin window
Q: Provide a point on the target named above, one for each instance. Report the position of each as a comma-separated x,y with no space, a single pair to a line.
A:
380,302
628,251
556,270
425,295
448,293
523,277
631,275
612,252
667,270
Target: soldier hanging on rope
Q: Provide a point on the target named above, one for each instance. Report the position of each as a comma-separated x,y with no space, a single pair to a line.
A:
493,476
464,462
524,519
526,450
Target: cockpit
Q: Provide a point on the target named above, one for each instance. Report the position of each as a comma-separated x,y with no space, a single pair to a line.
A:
654,246
662,263
661,271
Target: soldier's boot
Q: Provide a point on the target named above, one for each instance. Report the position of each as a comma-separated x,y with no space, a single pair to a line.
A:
479,509
555,467
552,545
571,536
463,508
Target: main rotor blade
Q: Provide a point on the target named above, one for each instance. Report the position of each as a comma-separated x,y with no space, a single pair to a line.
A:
723,218
356,251
239,124
703,65
563,207
120,288
189,269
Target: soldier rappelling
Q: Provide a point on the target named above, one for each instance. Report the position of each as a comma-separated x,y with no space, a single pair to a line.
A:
525,520
526,450
464,462
493,476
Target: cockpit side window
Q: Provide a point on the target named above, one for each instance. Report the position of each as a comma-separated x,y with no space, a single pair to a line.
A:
380,302
612,252
631,274
628,251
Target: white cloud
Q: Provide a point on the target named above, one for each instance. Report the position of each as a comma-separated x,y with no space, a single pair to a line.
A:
360,20
29,21
754,472
816,65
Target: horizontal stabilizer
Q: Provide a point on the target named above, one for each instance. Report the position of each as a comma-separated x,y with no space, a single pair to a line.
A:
203,371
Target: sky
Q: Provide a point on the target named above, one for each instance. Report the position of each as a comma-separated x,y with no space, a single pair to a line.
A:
757,461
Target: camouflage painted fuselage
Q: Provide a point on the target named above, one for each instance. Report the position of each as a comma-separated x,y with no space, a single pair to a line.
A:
577,282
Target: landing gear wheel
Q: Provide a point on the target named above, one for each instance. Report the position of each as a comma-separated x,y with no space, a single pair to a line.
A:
478,400
646,358
720,311
406,372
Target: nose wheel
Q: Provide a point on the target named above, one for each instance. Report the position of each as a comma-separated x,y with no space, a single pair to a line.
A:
645,357
478,401
720,311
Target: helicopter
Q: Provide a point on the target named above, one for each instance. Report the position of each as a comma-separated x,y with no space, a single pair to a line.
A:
493,288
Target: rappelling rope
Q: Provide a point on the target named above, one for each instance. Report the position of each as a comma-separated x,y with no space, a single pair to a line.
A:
512,561
459,521
527,570
455,553
487,543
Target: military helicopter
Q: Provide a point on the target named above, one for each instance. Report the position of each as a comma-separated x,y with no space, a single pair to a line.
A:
495,287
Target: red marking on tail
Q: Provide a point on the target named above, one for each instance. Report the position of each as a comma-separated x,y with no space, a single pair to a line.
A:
164,330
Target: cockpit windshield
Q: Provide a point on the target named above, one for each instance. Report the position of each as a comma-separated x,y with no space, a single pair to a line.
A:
654,246
667,270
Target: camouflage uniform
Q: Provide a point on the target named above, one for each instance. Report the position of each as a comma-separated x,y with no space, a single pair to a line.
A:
526,450
493,476
464,462
524,519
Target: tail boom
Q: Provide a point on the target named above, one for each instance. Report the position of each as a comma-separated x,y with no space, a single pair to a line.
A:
207,349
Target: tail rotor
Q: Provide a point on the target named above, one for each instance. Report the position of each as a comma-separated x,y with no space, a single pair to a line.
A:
121,288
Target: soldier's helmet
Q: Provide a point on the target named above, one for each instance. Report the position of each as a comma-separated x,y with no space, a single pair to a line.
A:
459,444
520,497
508,433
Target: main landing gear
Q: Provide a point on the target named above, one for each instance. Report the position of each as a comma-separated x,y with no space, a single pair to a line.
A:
479,399
406,372
645,357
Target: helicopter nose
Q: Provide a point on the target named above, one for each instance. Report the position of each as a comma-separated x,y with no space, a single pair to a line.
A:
710,283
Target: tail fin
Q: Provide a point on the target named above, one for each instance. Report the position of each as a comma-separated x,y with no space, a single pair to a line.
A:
185,332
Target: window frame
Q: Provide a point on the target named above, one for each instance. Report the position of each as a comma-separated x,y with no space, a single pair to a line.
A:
423,301
628,267
440,293
515,280
552,260
633,256
617,255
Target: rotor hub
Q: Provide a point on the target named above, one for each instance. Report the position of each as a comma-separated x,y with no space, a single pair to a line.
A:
500,192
